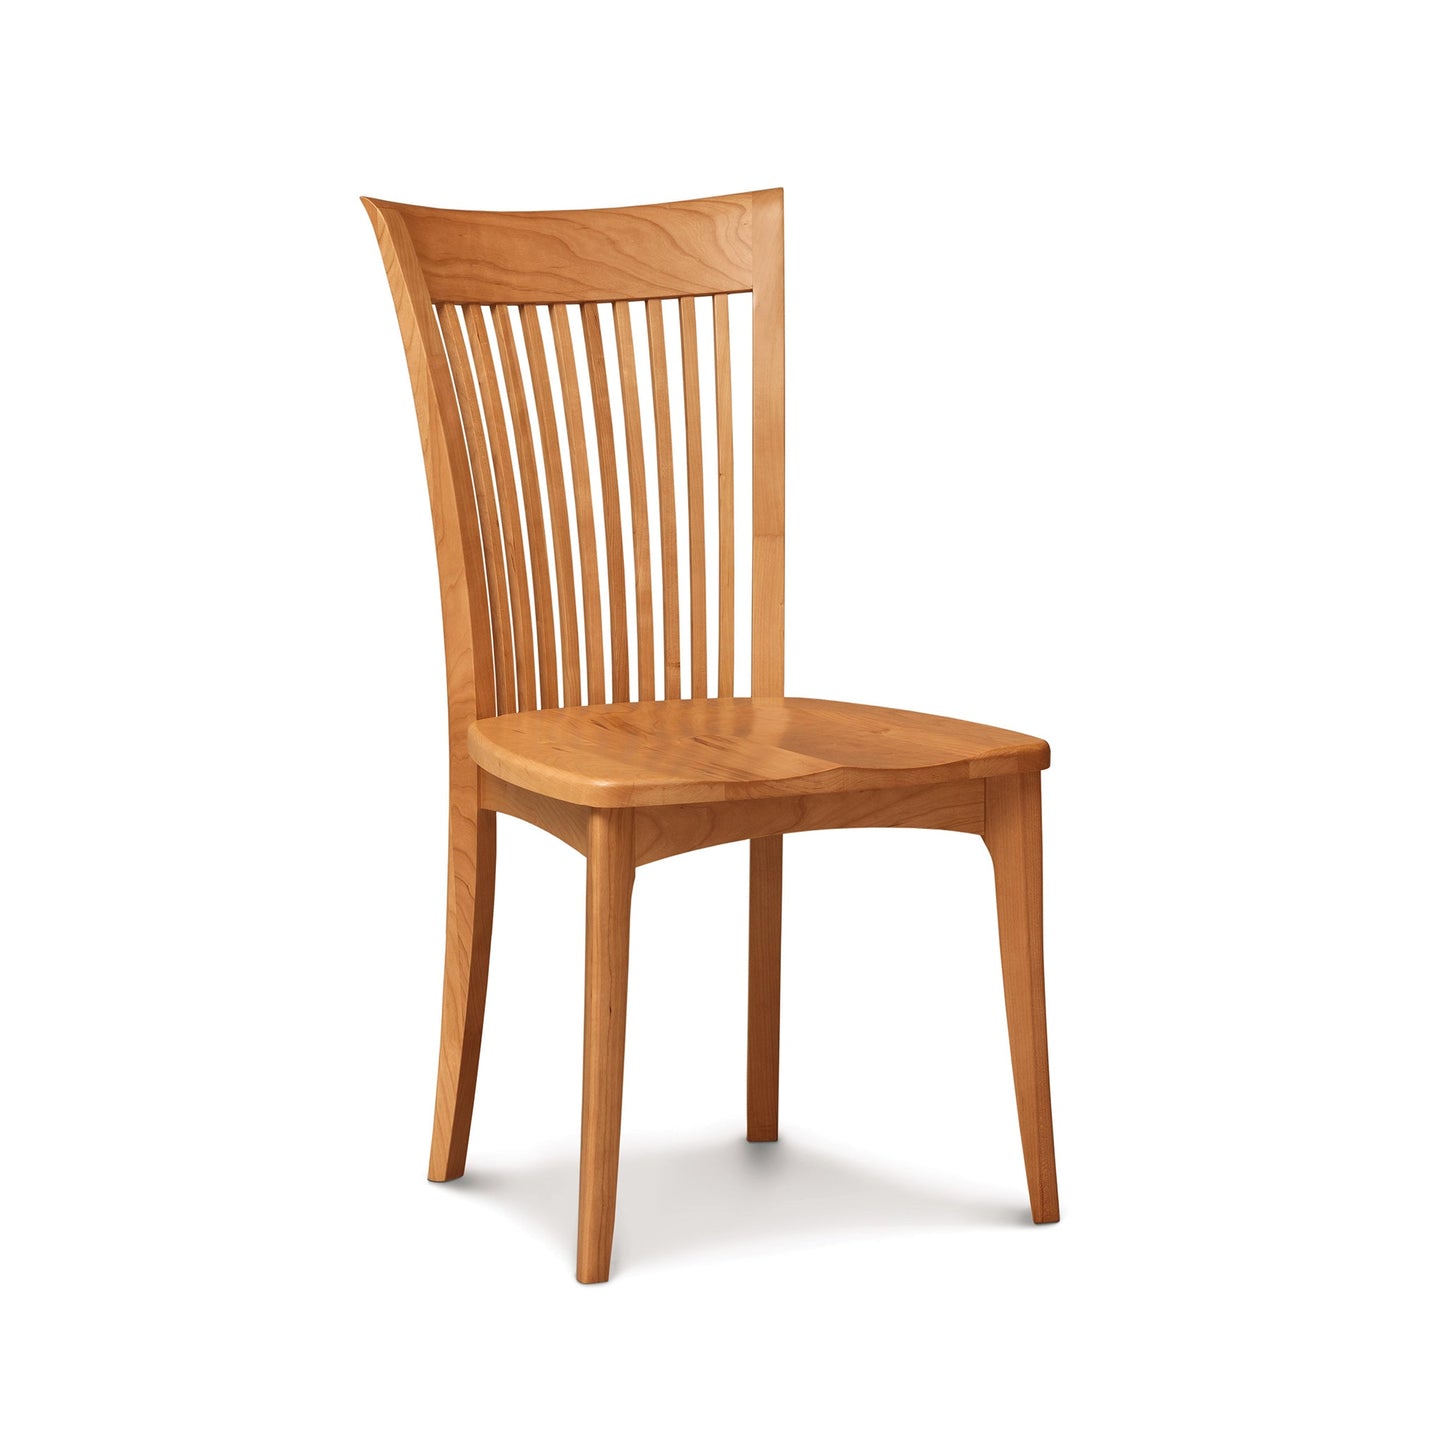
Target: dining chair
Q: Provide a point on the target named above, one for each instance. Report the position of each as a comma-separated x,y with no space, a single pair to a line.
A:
563,555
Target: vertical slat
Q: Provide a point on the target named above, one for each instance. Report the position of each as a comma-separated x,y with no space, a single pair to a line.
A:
504,665
611,501
767,651
666,504
637,484
486,368
696,528
532,503
557,505
582,500
726,560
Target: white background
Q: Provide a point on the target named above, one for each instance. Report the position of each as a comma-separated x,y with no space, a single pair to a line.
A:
1115,366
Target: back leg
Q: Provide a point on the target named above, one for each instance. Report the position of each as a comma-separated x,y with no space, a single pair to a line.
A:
471,890
765,931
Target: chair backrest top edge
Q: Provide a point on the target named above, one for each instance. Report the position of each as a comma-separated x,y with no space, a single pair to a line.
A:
410,208
613,253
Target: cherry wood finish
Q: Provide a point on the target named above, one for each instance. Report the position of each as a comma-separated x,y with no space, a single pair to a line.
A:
1013,832
765,946
712,750
630,253
464,990
585,482
604,1032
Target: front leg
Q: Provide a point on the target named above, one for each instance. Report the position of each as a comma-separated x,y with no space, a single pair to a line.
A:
1013,830
610,868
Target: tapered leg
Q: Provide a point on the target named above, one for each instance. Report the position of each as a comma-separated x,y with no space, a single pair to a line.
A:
471,888
765,948
1014,834
604,1032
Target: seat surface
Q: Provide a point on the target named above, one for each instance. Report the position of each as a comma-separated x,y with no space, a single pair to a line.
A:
636,754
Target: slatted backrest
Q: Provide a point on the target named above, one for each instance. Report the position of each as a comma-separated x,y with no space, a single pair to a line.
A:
586,444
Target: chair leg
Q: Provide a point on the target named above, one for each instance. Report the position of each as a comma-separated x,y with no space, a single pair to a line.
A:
610,868
1014,834
765,938
471,889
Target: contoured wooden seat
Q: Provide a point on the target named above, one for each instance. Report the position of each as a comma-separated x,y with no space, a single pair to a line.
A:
552,466
714,750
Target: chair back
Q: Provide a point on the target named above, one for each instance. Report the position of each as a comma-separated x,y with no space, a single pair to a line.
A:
589,457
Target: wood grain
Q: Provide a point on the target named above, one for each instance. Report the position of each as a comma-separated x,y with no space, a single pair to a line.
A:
546,638
666,504
627,253
466,631
471,890
1013,830
504,666
611,502
726,525
508,508
564,575
637,491
609,907
663,832
549,642
765,942
632,782
696,525
768,444
470,688
562,820
718,749
582,501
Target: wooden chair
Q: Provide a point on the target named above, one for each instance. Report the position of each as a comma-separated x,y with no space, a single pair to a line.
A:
562,556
